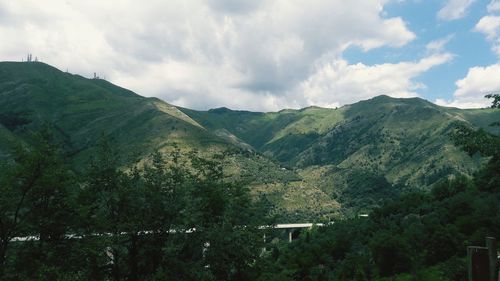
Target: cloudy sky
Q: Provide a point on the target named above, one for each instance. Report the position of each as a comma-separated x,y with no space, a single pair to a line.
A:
267,55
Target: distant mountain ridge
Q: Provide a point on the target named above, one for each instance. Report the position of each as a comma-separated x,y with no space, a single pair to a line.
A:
362,153
308,163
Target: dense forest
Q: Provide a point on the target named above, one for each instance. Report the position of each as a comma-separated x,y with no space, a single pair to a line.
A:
175,217
418,236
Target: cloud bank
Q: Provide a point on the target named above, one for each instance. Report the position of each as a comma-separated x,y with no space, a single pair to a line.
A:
471,90
480,80
339,83
253,54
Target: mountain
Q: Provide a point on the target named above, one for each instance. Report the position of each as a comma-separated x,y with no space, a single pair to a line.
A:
81,110
307,164
362,153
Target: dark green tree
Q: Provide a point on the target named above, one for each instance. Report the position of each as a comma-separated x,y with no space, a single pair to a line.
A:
108,207
496,100
162,211
390,253
36,200
214,224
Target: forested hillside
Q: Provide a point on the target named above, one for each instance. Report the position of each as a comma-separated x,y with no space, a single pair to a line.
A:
365,152
308,164
99,183
178,217
417,236
81,110
149,223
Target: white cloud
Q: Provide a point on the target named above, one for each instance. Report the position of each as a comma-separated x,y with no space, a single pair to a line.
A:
438,45
471,90
454,9
479,80
490,27
494,6
340,83
244,54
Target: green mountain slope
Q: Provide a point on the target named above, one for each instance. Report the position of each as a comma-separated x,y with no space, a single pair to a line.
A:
362,153
81,110
309,163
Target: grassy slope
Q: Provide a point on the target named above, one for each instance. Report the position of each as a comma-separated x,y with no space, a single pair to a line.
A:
356,155
82,109
362,153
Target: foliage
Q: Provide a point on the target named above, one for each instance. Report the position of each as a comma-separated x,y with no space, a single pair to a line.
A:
420,234
36,198
176,218
400,142
496,100
473,141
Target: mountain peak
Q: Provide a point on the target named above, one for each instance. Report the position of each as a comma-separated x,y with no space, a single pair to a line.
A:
30,68
220,110
385,99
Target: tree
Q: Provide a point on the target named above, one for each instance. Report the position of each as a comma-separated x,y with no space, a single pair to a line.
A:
472,140
163,193
35,199
175,218
496,100
108,207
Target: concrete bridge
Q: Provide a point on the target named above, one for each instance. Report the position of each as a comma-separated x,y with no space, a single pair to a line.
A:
291,229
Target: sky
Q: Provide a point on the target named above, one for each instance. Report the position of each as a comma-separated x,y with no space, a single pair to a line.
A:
266,55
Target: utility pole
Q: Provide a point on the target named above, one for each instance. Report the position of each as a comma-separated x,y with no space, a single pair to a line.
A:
482,262
491,244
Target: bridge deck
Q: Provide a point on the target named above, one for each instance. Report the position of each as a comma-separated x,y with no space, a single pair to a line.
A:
290,226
